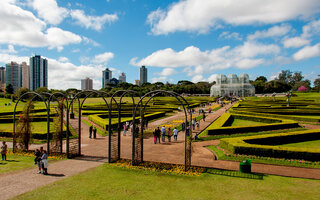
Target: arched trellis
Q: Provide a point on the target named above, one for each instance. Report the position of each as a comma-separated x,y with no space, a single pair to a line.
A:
124,92
137,154
35,94
109,108
51,96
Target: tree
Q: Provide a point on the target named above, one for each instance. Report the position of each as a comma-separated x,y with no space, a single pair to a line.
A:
41,90
296,77
316,84
23,133
22,91
262,79
284,76
259,86
276,86
9,89
306,83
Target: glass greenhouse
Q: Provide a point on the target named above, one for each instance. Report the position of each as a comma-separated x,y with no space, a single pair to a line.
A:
232,86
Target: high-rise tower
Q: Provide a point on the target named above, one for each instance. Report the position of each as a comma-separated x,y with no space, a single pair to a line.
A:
86,84
143,75
13,75
122,78
106,77
38,72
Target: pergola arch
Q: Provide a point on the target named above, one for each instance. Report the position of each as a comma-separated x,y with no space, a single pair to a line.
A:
124,92
135,151
35,94
51,96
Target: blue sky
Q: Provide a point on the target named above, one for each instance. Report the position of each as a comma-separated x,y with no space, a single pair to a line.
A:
176,40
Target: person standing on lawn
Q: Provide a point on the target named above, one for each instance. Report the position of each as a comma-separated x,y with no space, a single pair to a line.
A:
4,149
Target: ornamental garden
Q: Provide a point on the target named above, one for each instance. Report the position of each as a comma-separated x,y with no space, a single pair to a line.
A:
259,131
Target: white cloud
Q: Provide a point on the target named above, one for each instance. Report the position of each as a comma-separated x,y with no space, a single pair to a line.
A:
307,52
201,15
103,58
274,31
159,79
9,50
93,22
21,27
197,62
63,59
197,78
167,72
295,42
228,35
50,11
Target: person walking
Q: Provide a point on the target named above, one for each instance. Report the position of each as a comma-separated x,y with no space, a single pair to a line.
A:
204,116
158,132
193,122
4,149
94,132
44,161
175,133
163,133
90,131
124,129
155,136
38,154
169,134
198,125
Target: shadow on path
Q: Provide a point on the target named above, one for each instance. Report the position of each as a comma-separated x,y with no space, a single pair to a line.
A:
92,158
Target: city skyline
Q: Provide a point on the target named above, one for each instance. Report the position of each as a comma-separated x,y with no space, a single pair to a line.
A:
175,40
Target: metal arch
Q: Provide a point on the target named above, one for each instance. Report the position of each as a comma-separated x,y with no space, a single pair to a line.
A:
124,92
48,116
80,107
134,113
14,114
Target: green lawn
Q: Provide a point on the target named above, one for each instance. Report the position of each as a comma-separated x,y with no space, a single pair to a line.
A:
241,122
315,144
37,127
16,162
106,182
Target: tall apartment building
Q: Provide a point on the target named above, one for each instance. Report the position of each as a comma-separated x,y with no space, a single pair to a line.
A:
38,72
2,78
86,84
122,78
25,75
106,77
143,75
13,75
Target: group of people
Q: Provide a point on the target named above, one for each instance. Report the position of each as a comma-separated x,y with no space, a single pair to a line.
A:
4,149
94,131
41,160
157,133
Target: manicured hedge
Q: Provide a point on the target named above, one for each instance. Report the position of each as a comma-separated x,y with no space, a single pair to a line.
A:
244,145
104,122
293,117
217,127
39,136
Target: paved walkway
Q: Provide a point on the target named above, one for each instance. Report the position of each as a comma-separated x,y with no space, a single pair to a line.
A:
95,152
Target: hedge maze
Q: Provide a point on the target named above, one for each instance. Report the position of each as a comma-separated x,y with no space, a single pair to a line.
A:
274,116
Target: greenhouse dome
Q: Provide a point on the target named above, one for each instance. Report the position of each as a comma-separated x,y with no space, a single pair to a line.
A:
232,86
